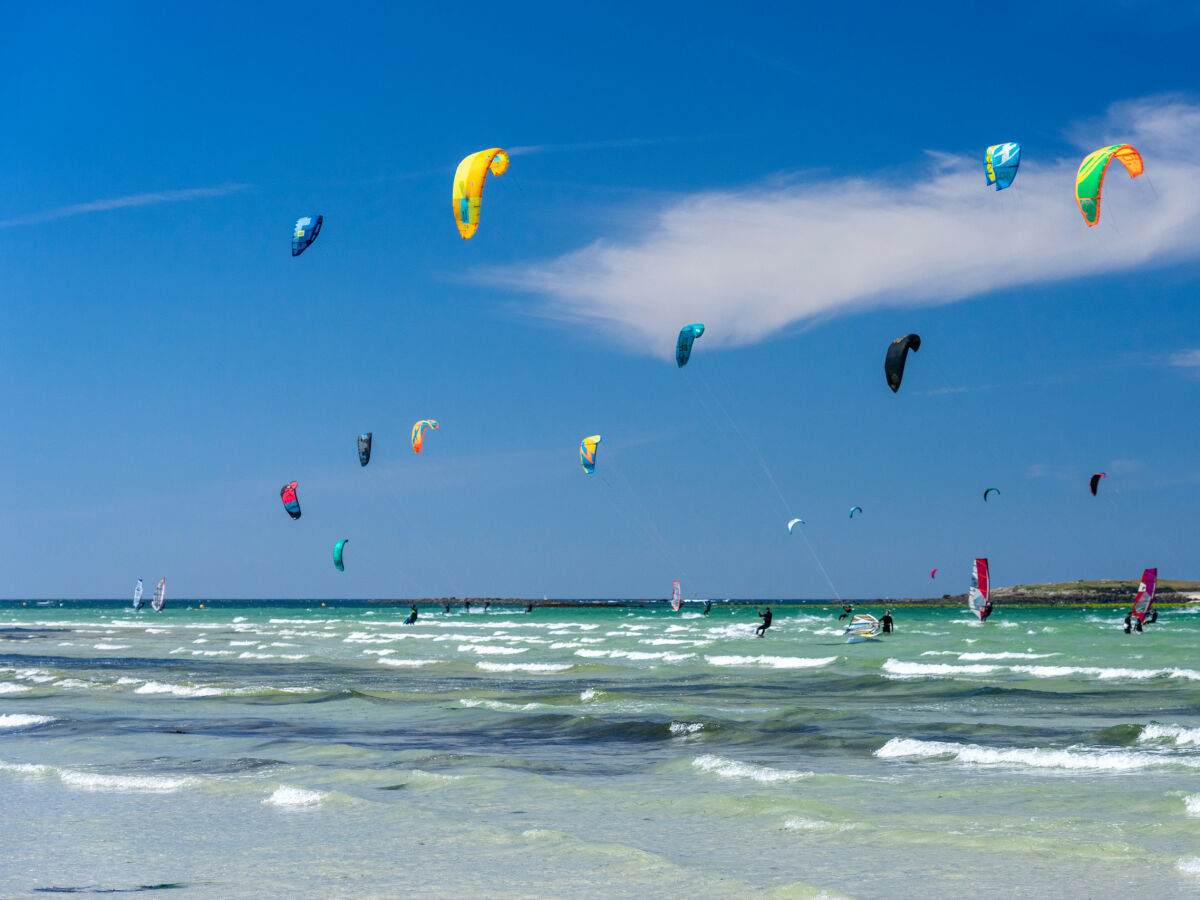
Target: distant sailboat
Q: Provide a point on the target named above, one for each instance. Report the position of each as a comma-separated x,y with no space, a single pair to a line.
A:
676,596
1145,596
160,596
981,585
138,602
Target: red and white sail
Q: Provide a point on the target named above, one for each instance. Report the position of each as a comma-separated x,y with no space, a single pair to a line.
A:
160,596
676,596
1145,595
981,586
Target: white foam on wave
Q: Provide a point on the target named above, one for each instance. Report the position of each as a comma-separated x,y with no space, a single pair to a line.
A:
288,796
1178,735
731,768
500,705
589,694
110,646
1189,865
178,690
636,655
403,662
9,688
11,721
977,655
486,649
522,667
1191,805
899,668
1090,759
133,784
1107,673
34,769
816,825
246,654
775,662
679,729
565,645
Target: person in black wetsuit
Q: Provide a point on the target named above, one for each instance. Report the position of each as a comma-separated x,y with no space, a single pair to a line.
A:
986,611
467,605
486,605
707,607
1153,617
412,616
766,622
528,607
846,610
887,622
445,607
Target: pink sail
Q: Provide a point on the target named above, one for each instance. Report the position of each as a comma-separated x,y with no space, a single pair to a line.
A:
981,584
676,596
1145,595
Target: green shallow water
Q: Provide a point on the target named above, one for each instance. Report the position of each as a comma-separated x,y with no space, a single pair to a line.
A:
597,752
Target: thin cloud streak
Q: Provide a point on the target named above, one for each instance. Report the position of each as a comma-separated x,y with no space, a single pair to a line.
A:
780,256
79,209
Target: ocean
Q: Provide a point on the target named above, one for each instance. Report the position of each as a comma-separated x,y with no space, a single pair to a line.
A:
290,750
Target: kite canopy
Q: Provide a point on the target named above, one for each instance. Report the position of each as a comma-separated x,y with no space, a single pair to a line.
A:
306,231
933,573
683,347
1095,482
418,433
897,355
587,453
1090,179
1000,163
855,509
792,524
468,186
337,554
291,502
988,491
364,448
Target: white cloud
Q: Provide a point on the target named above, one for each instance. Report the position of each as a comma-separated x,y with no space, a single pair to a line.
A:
1185,359
78,209
751,262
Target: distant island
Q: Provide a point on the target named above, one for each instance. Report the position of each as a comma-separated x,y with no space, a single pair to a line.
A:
1072,593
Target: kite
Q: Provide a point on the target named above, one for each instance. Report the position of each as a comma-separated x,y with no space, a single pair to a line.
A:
306,231
1089,181
1094,483
1000,164
468,186
855,509
418,433
683,347
933,573
792,524
587,453
897,355
364,448
337,554
988,491
291,502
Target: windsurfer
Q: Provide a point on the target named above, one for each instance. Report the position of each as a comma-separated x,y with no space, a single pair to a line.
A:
986,611
886,621
766,622
1131,623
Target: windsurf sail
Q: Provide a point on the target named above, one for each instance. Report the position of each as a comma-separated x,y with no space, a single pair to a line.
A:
676,596
1145,595
138,603
981,586
863,625
160,595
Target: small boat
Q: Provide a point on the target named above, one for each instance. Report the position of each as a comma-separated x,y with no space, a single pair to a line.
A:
138,602
863,627
160,596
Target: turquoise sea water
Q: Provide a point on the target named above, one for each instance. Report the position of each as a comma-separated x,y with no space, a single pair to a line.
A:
597,752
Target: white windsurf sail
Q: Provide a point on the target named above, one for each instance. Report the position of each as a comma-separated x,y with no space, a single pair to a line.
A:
160,595
862,626
981,585
137,596
1145,595
676,596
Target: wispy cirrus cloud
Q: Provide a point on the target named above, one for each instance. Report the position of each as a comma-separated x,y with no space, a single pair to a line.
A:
791,254
1185,359
93,206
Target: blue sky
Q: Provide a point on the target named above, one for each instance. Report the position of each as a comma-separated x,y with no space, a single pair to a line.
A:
806,182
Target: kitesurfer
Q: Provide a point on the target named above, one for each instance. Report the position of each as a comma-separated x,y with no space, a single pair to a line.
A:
846,610
486,605
707,607
528,607
412,616
766,622
467,605
446,607
886,621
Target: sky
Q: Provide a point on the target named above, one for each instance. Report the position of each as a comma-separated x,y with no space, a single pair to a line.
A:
807,182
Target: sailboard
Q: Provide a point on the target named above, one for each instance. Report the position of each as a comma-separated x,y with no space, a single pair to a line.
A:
1145,595
981,587
138,602
160,595
676,596
862,627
